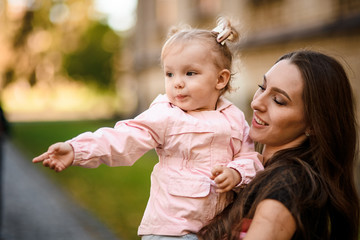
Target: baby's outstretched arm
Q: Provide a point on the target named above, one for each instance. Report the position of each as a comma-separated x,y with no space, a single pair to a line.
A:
59,156
225,178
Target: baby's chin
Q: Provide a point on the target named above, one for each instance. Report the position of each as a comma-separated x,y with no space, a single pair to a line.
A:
184,108
189,109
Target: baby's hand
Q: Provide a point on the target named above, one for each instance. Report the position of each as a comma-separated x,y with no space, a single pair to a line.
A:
59,156
225,178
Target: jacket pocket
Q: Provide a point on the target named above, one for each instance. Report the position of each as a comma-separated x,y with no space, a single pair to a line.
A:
190,198
190,143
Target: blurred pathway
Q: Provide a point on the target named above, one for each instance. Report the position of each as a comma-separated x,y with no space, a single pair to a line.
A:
35,208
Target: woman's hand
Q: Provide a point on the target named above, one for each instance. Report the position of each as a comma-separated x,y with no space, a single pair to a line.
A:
58,157
225,178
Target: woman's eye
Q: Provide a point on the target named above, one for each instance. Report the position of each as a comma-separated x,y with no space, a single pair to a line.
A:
277,101
261,87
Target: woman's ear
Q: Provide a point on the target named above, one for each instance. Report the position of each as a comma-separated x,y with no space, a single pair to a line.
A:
223,79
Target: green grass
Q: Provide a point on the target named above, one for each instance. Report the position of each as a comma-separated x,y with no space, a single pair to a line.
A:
117,196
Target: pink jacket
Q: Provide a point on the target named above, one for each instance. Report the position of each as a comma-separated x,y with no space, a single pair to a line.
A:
182,196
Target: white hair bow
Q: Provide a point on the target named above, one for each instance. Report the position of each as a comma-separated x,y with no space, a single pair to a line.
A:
223,31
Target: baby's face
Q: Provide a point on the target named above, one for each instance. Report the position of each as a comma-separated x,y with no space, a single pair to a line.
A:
191,76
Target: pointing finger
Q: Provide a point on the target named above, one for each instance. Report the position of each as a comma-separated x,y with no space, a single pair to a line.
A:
41,158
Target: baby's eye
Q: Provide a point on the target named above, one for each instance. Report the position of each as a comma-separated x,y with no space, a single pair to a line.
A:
169,74
190,73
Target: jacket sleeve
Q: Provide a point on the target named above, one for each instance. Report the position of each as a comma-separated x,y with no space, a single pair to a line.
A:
123,144
246,161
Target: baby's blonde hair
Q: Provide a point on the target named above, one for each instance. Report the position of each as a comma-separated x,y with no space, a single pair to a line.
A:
223,56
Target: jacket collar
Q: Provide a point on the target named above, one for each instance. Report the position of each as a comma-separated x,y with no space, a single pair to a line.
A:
222,103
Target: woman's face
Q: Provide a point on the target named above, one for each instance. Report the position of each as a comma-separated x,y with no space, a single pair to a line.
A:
278,120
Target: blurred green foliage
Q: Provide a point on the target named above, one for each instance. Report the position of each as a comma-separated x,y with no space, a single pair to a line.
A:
86,49
93,61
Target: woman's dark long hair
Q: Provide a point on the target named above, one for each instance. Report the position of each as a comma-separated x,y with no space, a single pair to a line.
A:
323,165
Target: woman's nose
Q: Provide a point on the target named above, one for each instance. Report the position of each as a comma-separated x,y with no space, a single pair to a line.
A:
258,102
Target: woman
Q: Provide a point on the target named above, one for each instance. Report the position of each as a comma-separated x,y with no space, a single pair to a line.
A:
305,118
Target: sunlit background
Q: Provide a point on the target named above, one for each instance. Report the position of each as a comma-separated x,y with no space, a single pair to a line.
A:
99,59
63,57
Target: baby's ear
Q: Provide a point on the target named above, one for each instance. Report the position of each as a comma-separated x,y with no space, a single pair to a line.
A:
223,79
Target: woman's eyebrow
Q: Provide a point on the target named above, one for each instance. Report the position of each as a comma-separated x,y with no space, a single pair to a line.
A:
281,92
276,89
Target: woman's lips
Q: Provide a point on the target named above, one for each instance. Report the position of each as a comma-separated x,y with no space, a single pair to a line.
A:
259,121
